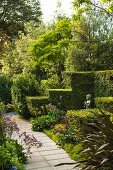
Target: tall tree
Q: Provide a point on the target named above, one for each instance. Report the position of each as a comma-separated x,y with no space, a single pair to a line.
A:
13,16
52,46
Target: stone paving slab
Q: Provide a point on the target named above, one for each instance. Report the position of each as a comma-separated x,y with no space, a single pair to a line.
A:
48,148
51,152
37,165
55,156
58,161
47,156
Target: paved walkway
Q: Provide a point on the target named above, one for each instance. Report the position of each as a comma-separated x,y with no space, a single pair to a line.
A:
45,157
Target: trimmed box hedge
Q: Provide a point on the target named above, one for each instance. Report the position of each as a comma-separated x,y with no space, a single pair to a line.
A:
96,83
103,83
61,97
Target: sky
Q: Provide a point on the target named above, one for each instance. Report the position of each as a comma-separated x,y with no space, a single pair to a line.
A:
49,7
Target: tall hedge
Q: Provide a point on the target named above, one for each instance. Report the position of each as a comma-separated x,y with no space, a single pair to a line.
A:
62,98
103,83
97,83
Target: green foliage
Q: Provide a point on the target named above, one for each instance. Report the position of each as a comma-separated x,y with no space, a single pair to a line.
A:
5,88
15,59
98,143
105,103
51,48
48,46
51,83
82,83
92,30
74,151
14,15
103,83
23,86
40,123
34,104
96,83
49,116
11,155
79,117
61,97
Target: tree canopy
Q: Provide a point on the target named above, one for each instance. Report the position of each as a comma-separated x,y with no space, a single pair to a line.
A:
14,14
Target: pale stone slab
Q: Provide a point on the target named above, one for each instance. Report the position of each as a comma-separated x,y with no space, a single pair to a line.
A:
48,148
65,167
37,165
58,161
52,152
56,156
35,159
45,168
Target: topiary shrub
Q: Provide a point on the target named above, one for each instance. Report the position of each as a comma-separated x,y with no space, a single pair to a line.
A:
23,86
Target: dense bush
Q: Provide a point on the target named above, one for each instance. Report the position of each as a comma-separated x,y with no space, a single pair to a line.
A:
43,122
5,88
23,86
98,143
105,103
11,154
35,104
48,116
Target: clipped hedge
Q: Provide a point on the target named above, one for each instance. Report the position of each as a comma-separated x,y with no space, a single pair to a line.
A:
105,103
82,83
103,83
34,103
61,97
96,83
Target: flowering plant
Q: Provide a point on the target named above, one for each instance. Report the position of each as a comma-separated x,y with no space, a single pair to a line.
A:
12,153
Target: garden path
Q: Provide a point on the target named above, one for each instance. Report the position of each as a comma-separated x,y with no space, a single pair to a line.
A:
47,156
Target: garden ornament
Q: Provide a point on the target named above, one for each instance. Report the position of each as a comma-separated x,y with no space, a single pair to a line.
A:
87,103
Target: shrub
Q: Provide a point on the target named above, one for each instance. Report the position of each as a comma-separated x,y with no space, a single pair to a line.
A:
43,122
23,86
51,83
74,151
98,141
105,103
76,118
35,104
82,83
5,88
11,155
